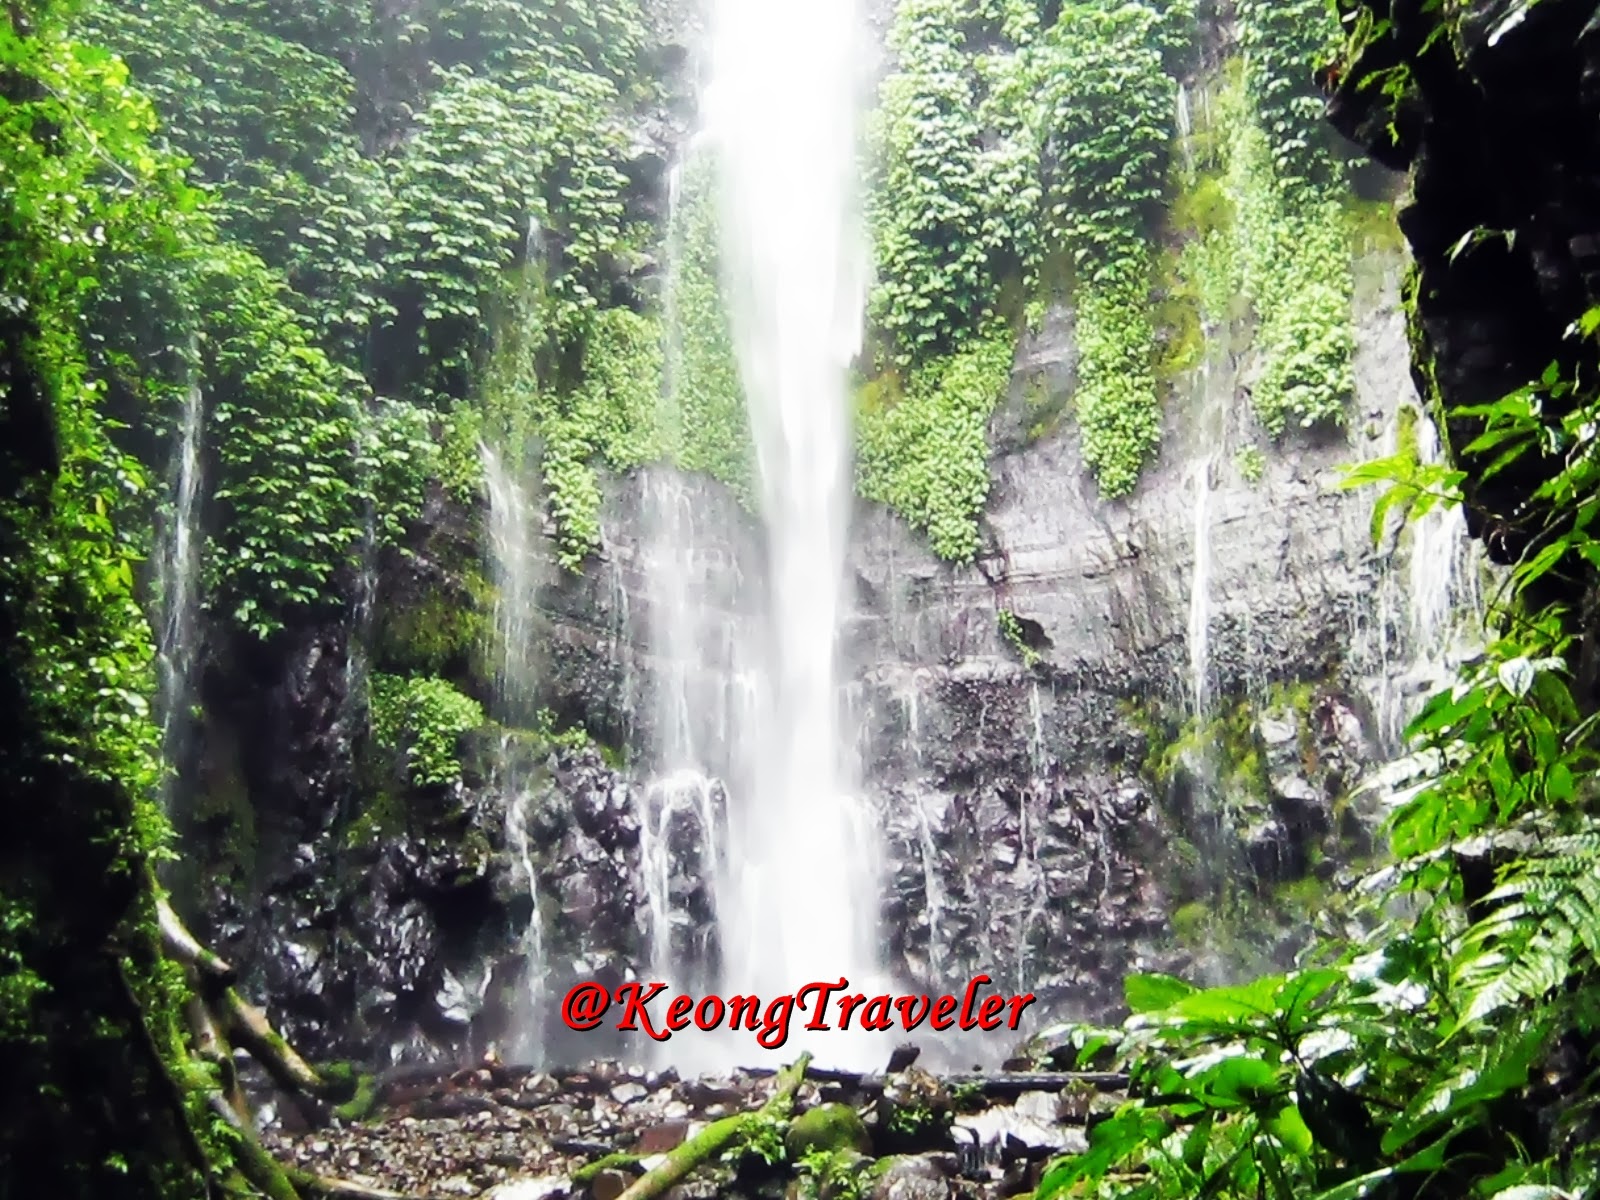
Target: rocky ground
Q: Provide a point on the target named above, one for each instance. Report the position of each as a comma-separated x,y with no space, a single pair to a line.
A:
518,1134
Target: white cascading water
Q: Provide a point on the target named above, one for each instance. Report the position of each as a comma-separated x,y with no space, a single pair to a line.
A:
1442,575
514,572
1212,398
178,575
701,702
1200,589
781,114
1428,609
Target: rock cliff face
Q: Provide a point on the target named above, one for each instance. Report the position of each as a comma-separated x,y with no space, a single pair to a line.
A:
1493,110
1054,810
1024,836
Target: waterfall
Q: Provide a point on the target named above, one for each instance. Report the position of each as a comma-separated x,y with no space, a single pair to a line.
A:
514,572
1185,126
178,578
1200,589
1428,609
678,844
781,113
1210,437
933,894
1442,575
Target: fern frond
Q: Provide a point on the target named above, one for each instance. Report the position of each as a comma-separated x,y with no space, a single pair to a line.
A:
1542,927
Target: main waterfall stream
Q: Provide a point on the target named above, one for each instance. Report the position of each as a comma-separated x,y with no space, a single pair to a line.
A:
780,116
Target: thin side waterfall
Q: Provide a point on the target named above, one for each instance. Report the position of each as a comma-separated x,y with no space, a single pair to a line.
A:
698,710
781,113
178,572
1442,575
1200,589
1185,124
933,894
1429,607
1211,433
679,846
514,572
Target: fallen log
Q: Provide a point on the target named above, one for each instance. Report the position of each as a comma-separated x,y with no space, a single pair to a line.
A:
619,1161
247,1026
1015,1083
718,1136
997,1083
180,944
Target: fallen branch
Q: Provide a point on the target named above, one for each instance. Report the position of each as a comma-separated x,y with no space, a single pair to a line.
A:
717,1136
182,945
619,1161
1000,1083
342,1189
247,1026
1015,1083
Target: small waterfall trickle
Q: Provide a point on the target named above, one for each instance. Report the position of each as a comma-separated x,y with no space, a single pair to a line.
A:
680,852
1211,433
1030,875
933,895
178,576
699,707
1428,611
1185,125
1200,590
514,571
1446,599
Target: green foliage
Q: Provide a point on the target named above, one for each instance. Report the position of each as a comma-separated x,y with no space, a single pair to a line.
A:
764,1139
910,1120
1414,1044
830,1174
1251,463
1105,107
1294,251
284,433
1284,42
425,717
703,422
1011,630
954,188
609,417
1119,416
393,263
86,995
925,453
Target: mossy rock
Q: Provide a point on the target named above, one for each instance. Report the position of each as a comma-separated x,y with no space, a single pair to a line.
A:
1190,922
828,1127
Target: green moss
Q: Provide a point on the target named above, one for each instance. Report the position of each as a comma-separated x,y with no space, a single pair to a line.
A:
1301,897
1189,924
828,1128
1178,320
1202,207
1406,432
1373,227
616,1161
442,633
223,814
361,1088
382,818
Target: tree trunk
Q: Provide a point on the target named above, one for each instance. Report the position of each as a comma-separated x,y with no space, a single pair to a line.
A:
717,1136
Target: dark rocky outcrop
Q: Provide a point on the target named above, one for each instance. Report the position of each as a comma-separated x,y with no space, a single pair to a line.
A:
1495,111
